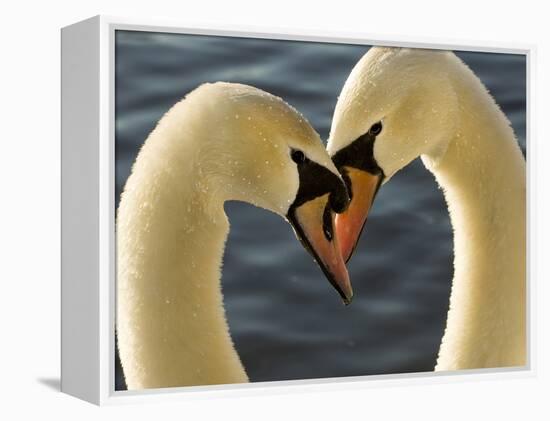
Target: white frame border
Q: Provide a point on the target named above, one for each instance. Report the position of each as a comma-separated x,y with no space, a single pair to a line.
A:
107,279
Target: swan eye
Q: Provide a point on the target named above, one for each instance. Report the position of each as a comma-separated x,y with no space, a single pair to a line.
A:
376,128
298,156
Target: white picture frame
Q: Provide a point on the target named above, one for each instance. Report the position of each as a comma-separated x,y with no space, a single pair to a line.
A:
88,216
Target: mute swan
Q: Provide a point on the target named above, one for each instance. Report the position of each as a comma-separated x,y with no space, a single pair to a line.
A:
222,142
398,104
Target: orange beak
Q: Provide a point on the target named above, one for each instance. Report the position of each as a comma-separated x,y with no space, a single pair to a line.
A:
350,223
314,225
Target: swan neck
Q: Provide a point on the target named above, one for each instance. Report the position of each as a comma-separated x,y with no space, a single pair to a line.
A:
482,175
172,328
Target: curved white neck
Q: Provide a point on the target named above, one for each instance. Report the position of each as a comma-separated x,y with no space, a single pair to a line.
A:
483,178
171,324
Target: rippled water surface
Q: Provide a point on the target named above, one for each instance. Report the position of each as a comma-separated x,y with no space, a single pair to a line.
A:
286,320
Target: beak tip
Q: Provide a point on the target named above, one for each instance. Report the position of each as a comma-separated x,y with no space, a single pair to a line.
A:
347,299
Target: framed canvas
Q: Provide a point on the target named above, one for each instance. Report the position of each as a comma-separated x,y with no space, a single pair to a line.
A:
216,184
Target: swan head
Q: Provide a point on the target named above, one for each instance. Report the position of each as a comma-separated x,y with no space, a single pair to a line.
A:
396,105
258,149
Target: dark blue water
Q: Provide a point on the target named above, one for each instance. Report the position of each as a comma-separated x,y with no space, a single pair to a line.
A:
286,320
